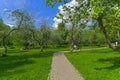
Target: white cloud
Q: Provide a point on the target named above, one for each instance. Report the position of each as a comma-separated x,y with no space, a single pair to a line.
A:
5,9
60,7
55,25
9,24
56,22
71,5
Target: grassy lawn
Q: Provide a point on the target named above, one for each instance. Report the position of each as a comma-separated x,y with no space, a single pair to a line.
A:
97,64
26,65
89,47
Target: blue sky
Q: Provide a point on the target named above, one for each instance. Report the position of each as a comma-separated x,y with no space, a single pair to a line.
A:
35,7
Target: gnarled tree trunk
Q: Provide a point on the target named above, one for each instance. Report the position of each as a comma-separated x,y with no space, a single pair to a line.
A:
72,39
4,42
105,33
41,48
5,47
71,46
118,36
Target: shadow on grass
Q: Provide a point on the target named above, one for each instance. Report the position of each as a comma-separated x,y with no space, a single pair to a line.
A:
7,68
115,61
18,58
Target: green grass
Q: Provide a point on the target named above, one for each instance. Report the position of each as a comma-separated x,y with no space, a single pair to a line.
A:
26,65
97,64
93,46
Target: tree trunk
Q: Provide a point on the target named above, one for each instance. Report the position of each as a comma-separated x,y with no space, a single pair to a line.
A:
4,42
72,39
5,47
6,36
26,46
118,36
71,46
41,48
105,33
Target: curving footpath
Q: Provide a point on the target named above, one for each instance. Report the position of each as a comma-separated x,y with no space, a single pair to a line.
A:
62,69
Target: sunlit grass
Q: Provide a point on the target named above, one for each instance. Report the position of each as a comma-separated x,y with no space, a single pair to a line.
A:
26,65
97,64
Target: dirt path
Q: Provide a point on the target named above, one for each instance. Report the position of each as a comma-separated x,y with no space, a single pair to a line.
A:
62,69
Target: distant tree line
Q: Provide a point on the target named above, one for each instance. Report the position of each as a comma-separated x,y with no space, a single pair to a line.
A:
105,14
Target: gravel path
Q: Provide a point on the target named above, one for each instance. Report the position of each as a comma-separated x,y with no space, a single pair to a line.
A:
62,69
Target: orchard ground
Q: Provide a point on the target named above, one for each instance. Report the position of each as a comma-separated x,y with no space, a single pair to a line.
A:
27,65
99,64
